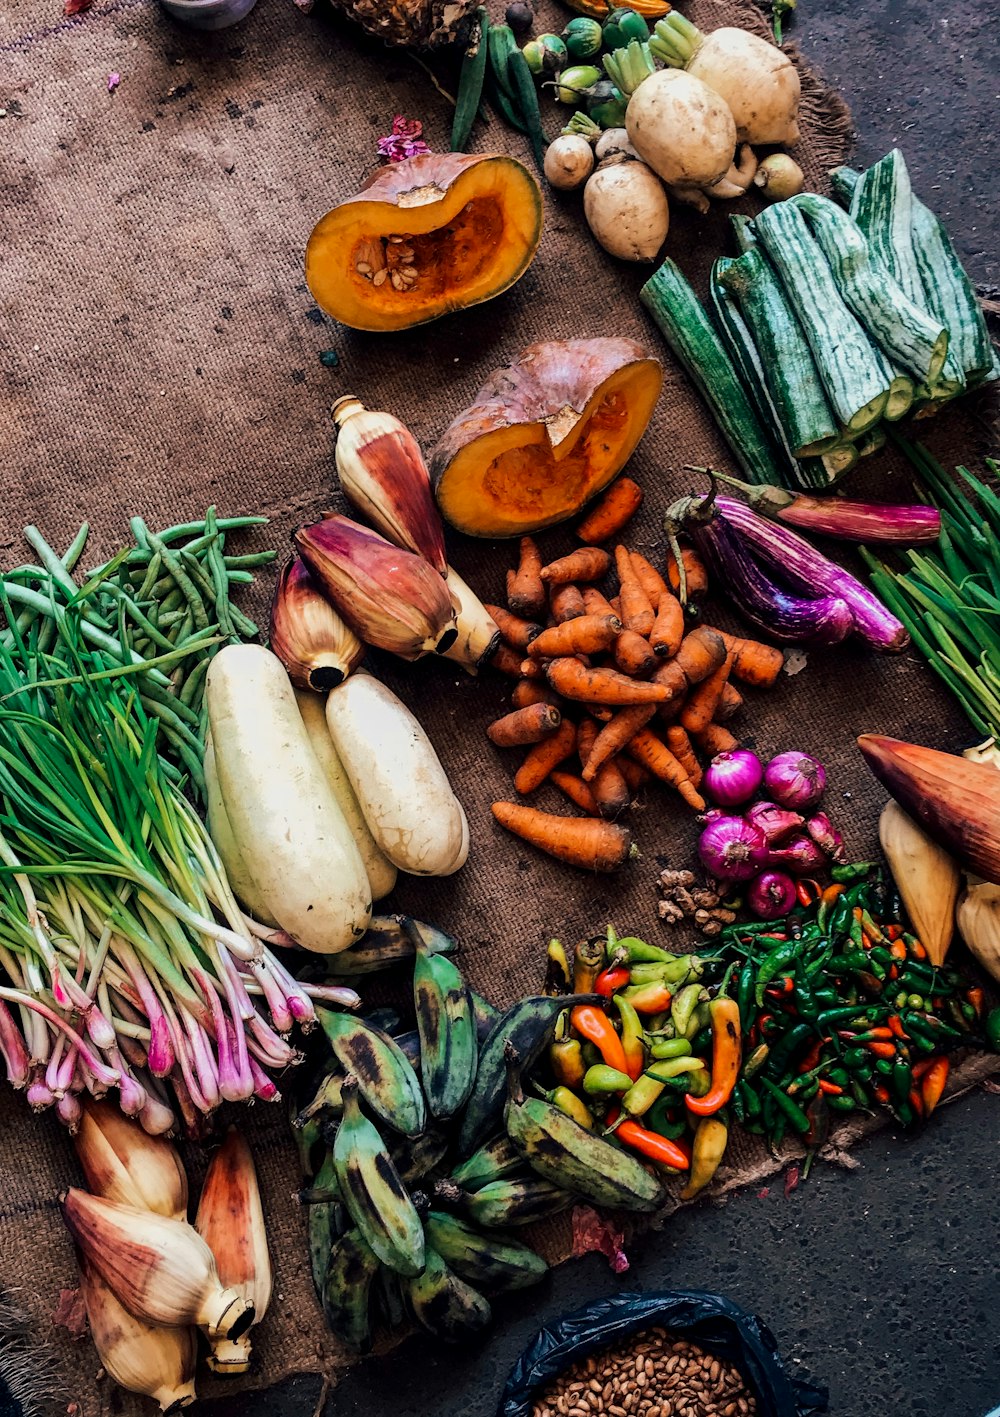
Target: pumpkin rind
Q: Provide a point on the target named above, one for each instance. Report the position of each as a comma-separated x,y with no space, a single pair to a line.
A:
544,435
423,237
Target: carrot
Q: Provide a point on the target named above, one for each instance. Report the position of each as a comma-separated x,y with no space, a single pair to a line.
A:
589,634
730,701
636,613
699,711
700,654
507,660
567,603
531,691
680,745
649,578
611,790
586,842
616,605
756,664
526,725
595,602
530,669
634,655
607,517
526,596
716,739
648,750
694,570
634,774
613,738
576,790
668,627
600,686
588,563
586,736
544,756
511,583
516,632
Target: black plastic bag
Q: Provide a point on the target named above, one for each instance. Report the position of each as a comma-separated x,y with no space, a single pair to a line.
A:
712,1322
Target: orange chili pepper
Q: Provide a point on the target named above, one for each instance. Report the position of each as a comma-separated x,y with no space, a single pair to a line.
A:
975,998
916,1101
896,1027
652,1145
727,1054
807,891
894,971
917,950
881,1050
648,998
832,1089
881,1094
811,1058
611,980
933,1082
897,949
894,932
922,1067
598,1029
866,941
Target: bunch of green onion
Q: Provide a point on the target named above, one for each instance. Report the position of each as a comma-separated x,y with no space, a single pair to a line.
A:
948,597
125,961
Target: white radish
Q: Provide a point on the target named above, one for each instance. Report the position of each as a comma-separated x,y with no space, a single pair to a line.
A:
569,161
627,209
290,833
219,829
611,143
681,128
780,177
379,869
759,83
397,777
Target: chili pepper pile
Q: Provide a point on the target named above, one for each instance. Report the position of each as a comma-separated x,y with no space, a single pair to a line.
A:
842,1012
655,1066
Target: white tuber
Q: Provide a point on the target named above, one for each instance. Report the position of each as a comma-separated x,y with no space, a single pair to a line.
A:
627,210
681,128
780,177
759,83
737,180
569,161
691,197
612,142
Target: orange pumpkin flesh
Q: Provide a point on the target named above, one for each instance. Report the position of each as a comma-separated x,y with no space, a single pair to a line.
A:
544,435
425,236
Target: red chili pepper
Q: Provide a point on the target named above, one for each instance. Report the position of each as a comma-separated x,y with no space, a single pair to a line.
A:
726,1057
807,891
894,932
881,1093
811,1058
831,1089
894,971
652,1145
609,981
881,1050
896,1027
916,1101
933,1082
975,998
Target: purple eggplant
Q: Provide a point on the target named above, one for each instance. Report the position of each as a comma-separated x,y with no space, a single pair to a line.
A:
868,522
793,619
809,571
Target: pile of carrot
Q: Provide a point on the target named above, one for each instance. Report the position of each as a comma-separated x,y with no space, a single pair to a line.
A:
623,685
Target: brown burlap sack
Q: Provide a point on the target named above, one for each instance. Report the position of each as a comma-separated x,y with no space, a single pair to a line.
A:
159,351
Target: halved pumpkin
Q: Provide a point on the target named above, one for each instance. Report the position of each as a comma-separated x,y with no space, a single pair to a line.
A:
423,237
544,435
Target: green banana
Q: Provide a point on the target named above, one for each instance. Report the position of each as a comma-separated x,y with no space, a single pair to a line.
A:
409,1043
385,943
384,1076
505,1204
492,1262
388,1296
429,937
443,1303
307,1141
347,1288
324,1187
326,1102
485,1015
416,1157
564,1153
448,1048
375,1197
325,1221
527,1025
494,1161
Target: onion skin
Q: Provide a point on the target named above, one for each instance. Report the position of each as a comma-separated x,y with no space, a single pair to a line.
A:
795,780
771,895
826,836
800,856
956,801
777,823
732,778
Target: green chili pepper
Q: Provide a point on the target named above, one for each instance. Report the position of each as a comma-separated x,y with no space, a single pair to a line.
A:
842,1103
777,961
788,1106
992,1029
785,1050
658,1120
749,1098
901,1080
745,994
602,1078
756,1060
777,1133
683,1005
884,1066
670,1048
855,871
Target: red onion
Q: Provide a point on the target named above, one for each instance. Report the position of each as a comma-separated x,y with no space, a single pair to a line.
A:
732,849
733,778
799,857
771,895
795,780
775,822
826,836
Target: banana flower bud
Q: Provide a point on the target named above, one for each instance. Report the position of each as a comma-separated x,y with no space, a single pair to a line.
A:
478,632
157,1362
384,477
231,1222
159,1268
309,637
388,596
122,1163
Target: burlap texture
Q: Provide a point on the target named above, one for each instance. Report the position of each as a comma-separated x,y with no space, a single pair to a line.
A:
159,350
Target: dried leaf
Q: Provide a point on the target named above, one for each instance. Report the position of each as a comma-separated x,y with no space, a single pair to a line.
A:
76,7
70,1313
795,661
593,1233
792,1177
114,79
